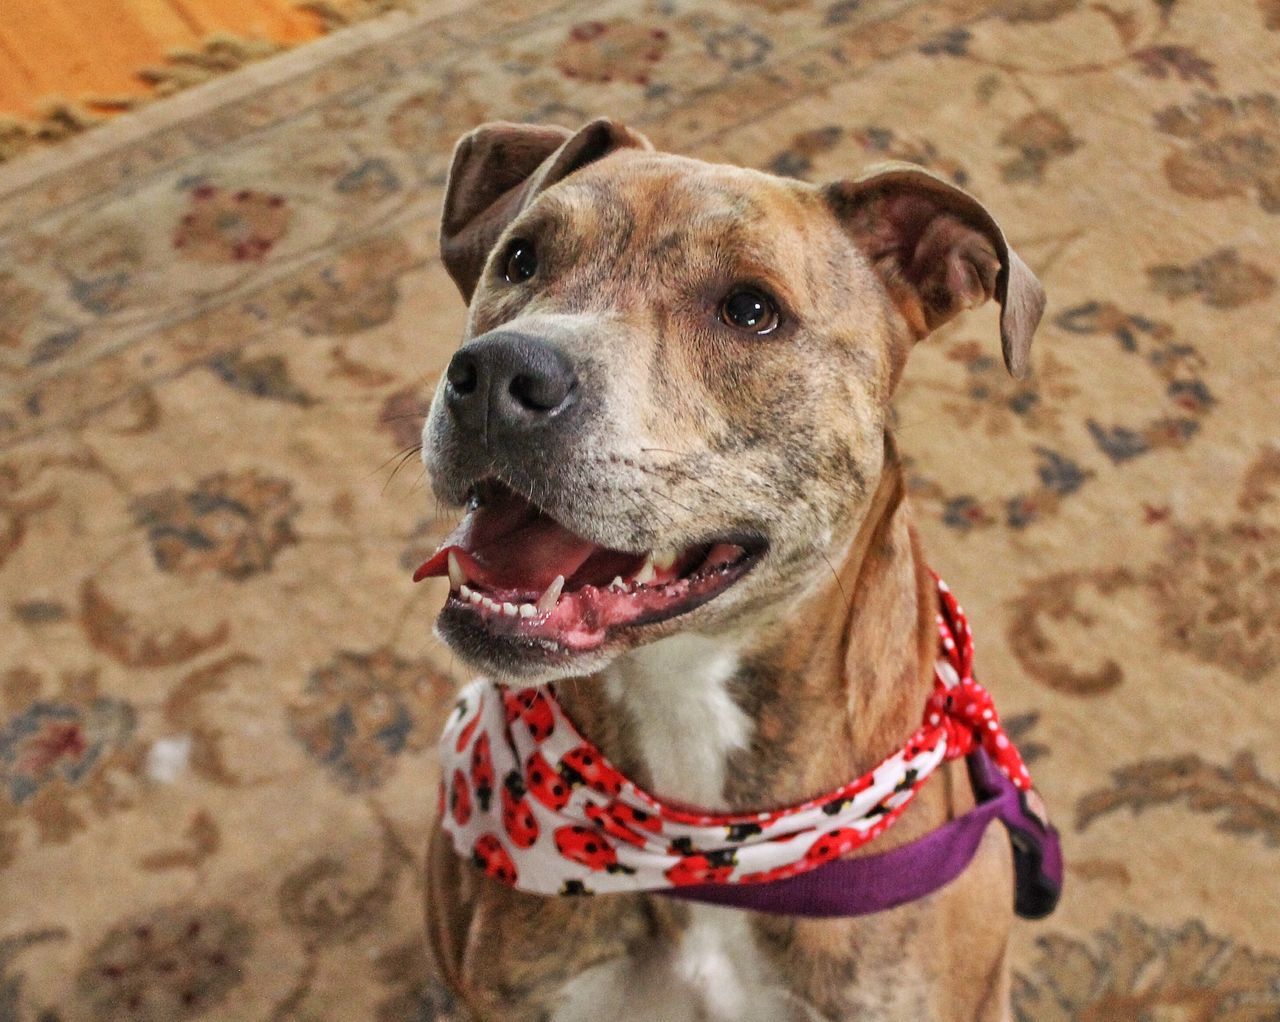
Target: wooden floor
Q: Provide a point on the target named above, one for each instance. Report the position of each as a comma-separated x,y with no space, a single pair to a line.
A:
80,50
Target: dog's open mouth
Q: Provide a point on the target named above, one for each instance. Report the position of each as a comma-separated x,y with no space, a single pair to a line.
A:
522,574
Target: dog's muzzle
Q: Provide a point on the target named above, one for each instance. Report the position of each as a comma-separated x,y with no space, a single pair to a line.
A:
517,436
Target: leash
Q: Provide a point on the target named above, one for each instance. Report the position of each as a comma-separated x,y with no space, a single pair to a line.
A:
536,806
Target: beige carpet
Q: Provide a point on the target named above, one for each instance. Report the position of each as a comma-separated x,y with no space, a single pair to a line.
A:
220,319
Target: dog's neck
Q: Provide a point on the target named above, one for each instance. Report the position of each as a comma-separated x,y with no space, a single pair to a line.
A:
786,710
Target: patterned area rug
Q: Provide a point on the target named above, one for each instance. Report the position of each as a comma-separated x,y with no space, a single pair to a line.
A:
221,319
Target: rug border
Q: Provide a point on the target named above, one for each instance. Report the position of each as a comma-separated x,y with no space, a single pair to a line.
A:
129,128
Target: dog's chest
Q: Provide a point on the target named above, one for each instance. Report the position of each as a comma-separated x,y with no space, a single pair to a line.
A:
715,973
685,726
675,695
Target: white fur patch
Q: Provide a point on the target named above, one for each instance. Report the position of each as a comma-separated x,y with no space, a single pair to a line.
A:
715,974
719,961
687,724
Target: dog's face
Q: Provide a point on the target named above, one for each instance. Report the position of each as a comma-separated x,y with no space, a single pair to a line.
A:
670,406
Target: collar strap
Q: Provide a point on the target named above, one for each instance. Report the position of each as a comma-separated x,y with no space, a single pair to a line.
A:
535,805
876,883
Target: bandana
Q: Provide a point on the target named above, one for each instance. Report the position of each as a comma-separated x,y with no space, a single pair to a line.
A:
536,805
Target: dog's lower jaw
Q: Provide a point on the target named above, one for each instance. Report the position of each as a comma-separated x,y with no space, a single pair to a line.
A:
522,650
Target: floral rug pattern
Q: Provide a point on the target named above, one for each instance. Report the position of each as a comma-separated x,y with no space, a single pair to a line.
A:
218,335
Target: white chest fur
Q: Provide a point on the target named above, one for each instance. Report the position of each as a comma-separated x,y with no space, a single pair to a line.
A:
686,723
715,974
686,726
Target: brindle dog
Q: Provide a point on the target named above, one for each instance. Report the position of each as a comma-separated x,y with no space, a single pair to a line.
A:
662,354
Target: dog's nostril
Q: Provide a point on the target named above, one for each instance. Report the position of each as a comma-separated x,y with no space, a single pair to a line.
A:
462,375
510,381
538,392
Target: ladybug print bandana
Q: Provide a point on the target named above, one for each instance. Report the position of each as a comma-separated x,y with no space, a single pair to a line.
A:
536,806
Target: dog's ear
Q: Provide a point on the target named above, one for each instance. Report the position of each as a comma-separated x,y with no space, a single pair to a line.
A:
939,252
498,169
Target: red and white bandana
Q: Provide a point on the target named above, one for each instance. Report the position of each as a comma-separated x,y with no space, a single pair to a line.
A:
535,805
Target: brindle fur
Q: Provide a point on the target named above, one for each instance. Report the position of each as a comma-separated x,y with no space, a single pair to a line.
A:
697,431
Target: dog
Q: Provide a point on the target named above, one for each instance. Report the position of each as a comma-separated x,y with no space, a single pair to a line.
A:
678,374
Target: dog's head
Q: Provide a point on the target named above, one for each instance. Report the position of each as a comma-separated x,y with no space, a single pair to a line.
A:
670,404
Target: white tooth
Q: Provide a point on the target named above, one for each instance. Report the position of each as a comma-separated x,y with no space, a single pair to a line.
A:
528,610
548,599
663,560
491,604
618,584
464,591
509,609
456,575
476,598
646,572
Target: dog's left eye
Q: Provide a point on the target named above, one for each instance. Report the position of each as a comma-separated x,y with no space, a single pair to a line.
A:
747,308
521,261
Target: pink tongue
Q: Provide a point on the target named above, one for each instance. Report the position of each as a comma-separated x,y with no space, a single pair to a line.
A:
533,555
509,550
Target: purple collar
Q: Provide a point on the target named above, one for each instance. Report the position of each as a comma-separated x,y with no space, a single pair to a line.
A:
875,883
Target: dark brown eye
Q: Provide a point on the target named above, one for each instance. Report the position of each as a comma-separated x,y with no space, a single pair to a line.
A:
749,309
521,261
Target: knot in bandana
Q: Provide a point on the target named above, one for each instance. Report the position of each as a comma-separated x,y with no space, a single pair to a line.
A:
537,806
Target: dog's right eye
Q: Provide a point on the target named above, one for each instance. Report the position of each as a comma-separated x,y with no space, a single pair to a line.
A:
747,308
521,261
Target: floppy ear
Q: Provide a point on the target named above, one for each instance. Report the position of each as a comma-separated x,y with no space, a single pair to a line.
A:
497,170
939,252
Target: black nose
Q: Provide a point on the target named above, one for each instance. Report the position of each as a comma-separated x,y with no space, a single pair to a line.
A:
506,382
